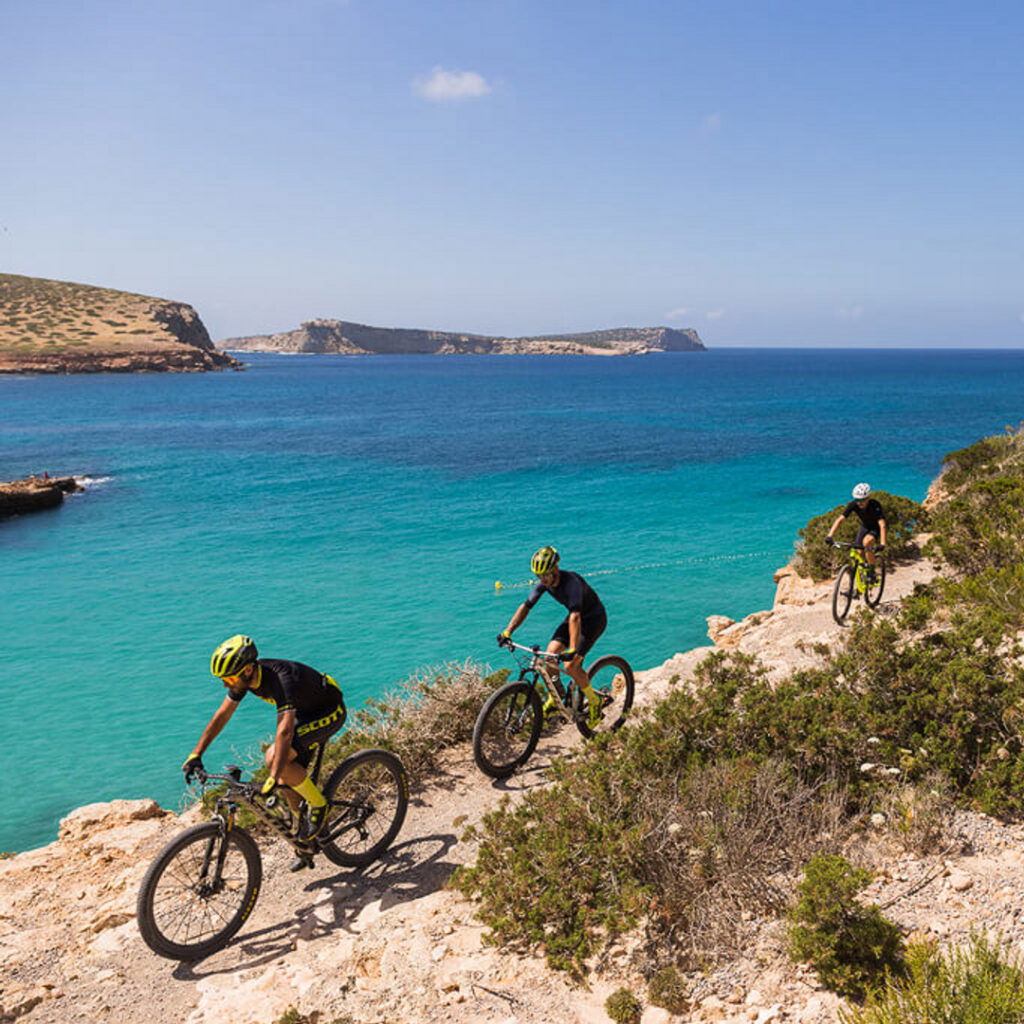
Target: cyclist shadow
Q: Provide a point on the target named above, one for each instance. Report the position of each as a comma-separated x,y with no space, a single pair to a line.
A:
347,902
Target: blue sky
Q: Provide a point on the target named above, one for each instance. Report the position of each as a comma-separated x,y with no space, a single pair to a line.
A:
769,173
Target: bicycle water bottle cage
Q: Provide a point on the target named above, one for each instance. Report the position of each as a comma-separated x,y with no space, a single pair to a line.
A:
234,771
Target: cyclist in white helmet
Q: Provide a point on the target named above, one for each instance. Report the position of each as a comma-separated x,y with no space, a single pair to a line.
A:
872,525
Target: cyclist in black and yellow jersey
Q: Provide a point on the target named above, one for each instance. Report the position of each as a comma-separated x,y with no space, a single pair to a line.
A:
871,534
309,706
578,632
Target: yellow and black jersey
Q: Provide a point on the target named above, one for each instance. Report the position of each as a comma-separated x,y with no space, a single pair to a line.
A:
292,686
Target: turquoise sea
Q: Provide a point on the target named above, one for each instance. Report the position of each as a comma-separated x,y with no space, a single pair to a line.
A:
355,513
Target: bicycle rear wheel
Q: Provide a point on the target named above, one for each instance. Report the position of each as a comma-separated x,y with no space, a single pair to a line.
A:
369,794
873,593
842,594
507,729
199,891
612,679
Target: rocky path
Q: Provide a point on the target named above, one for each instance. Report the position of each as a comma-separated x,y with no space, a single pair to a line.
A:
392,944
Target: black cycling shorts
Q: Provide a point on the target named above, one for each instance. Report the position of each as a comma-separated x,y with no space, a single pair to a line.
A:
310,733
591,629
865,532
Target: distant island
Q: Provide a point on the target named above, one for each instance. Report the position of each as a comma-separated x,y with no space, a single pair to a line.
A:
339,337
61,327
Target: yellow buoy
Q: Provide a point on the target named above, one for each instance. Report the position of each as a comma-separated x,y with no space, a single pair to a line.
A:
497,584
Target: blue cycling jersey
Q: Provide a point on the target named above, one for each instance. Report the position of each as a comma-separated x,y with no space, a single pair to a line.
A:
572,591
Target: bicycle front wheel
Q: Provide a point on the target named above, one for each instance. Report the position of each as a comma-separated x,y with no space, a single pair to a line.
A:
507,729
612,680
369,795
842,594
873,593
199,891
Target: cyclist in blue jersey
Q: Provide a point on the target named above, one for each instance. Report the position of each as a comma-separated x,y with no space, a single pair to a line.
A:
578,631
872,524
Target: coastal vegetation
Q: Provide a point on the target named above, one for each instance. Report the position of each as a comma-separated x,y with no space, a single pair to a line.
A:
712,807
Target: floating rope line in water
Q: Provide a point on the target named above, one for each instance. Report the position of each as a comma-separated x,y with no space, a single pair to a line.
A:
693,560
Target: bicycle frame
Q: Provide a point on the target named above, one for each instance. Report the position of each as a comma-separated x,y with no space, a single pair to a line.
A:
274,811
537,667
860,565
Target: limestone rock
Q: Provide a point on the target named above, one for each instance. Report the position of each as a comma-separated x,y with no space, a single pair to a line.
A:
85,822
345,338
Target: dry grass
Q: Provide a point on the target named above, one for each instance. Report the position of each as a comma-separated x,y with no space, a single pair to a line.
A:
42,317
425,715
724,845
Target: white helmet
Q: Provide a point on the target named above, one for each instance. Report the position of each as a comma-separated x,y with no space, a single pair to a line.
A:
861,491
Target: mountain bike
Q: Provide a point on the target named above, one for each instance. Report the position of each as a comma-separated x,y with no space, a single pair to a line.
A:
204,883
510,722
852,581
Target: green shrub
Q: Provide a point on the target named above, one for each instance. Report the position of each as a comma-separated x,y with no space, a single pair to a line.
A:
976,985
903,518
852,948
623,1007
667,989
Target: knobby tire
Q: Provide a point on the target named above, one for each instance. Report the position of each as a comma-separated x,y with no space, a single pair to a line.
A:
374,783
507,729
842,594
183,916
873,594
612,678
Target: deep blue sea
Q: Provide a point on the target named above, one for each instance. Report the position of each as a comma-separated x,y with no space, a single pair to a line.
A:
355,512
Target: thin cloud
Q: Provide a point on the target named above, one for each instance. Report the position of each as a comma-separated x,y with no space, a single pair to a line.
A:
451,86
675,314
715,314
712,123
851,312
1021,316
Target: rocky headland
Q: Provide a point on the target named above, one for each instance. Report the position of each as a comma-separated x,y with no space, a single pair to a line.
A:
35,493
339,337
61,327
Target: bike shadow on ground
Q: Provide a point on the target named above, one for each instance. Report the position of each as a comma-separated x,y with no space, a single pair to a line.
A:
343,902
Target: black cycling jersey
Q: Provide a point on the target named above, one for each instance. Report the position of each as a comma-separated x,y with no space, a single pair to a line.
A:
869,516
571,590
292,686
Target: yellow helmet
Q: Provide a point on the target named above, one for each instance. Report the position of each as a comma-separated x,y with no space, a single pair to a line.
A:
543,561
232,656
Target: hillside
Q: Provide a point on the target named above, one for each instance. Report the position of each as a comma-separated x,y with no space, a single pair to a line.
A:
61,327
344,338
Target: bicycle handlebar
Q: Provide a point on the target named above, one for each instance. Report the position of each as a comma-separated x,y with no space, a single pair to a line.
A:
234,782
857,547
534,650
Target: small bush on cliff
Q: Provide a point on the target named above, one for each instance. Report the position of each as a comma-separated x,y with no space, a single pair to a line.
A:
852,948
980,984
623,1007
903,518
667,989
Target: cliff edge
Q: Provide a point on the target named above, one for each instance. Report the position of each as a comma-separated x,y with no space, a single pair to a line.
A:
61,327
340,337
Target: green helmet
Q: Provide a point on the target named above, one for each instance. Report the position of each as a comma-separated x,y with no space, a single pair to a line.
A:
233,655
543,561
